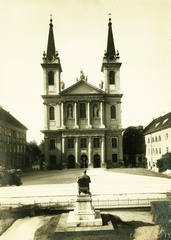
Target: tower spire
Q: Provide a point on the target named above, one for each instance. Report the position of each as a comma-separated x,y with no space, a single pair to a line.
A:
110,51
51,42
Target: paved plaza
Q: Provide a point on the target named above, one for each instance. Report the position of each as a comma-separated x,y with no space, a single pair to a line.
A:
105,184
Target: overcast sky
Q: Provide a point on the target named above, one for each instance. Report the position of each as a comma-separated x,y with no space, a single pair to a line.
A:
142,34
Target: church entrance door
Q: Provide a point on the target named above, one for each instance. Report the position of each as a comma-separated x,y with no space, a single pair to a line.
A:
84,161
71,161
96,162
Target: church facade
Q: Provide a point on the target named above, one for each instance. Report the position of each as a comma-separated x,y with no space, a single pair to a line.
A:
82,123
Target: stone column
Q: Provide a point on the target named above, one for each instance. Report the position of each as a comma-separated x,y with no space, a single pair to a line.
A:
75,115
63,151
101,115
88,111
103,164
76,151
62,116
89,152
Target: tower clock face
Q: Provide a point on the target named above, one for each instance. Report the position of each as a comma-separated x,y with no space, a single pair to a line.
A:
51,58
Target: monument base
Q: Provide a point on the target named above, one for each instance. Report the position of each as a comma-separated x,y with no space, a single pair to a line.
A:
75,221
84,213
63,232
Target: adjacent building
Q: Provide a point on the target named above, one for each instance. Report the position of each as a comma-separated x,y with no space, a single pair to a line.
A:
157,139
82,123
12,141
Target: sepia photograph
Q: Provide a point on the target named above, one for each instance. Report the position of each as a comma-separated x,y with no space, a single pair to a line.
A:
85,120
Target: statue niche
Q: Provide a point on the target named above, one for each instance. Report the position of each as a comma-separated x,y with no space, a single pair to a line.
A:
69,111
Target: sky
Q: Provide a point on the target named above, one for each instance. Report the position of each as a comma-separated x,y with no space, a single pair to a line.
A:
142,34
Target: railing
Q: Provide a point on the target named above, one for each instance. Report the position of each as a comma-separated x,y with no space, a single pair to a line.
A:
100,204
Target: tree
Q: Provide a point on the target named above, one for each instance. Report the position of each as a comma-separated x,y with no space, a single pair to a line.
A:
133,143
33,152
164,162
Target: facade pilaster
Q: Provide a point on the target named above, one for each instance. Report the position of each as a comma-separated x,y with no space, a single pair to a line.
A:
63,150
46,162
90,151
46,117
88,112
62,116
120,157
76,150
101,116
103,164
75,116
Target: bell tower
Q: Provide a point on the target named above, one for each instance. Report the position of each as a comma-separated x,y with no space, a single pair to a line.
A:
51,66
111,65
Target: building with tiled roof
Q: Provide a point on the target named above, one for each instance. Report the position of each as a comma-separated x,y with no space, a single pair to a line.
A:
157,139
82,123
12,141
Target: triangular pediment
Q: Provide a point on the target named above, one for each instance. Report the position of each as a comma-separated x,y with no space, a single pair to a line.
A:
81,87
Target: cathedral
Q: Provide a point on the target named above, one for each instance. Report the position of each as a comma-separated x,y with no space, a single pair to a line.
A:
82,123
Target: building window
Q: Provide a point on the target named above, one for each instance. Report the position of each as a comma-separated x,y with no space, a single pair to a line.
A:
51,78
111,77
83,142
167,149
70,143
52,159
159,138
51,113
156,138
82,110
114,157
114,142
156,151
159,150
52,144
148,140
96,142
113,111
167,136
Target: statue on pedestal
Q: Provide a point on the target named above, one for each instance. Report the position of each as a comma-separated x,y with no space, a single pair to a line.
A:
83,183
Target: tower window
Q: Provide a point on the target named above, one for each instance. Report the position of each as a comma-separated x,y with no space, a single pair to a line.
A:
113,111
111,77
51,78
114,157
52,144
96,142
82,110
51,113
114,142
83,142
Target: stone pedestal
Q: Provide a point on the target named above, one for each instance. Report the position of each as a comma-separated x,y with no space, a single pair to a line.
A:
84,213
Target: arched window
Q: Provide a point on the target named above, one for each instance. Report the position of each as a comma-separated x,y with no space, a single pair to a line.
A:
113,111
111,77
51,113
51,78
